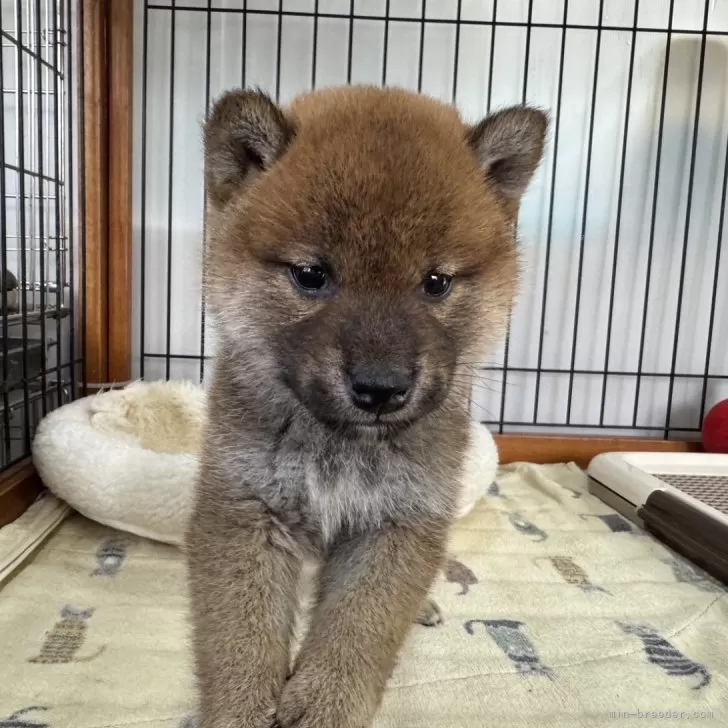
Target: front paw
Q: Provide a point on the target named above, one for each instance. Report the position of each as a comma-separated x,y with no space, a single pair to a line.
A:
430,614
315,699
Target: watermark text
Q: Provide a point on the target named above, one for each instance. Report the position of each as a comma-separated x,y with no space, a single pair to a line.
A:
662,714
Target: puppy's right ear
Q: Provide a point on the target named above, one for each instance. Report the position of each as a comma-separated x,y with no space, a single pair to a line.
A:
245,134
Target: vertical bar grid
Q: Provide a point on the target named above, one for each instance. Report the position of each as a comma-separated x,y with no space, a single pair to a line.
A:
584,352
41,366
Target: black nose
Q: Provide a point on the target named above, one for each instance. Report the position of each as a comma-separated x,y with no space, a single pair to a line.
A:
380,389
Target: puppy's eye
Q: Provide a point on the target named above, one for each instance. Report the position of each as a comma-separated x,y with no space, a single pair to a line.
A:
309,278
436,285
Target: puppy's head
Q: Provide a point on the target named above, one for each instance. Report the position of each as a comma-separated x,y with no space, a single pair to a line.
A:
362,244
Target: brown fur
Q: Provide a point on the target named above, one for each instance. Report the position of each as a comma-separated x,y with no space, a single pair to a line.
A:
379,187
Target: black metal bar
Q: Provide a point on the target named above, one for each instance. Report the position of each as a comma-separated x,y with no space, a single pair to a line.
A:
38,376
585,426
82,192
30,172
170,189
441,21
143,191
385,49
71,212
279,44
456,59
582,238
21,48
491,63
208,56
653,219
350,49
245,43
185,357
41,207
522,370
22,299
423,28
26,91
686,232
601,372
527,53
58,183
620,200
4,262
547,262
314,51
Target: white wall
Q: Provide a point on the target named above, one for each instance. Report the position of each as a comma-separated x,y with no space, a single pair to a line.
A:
553,230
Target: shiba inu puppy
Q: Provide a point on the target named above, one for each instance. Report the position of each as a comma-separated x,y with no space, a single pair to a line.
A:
361,257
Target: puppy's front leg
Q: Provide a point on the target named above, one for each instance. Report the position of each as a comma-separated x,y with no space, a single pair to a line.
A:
372,588
243,588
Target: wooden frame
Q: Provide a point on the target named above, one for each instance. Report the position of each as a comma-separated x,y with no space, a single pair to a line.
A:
105,40
20,485
107,47
580,450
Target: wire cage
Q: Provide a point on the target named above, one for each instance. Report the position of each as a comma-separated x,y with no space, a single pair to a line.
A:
41,362
624,294
619,329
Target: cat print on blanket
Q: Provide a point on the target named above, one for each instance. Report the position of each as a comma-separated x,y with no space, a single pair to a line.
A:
111,555
22,719
572,573
518,648
457,573
662,653
687,573
526,527
494,491
614,522
66,638
575,494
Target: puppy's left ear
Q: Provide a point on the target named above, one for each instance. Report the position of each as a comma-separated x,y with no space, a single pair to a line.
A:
508,146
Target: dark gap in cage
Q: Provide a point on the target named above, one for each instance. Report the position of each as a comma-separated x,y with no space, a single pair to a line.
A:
40,362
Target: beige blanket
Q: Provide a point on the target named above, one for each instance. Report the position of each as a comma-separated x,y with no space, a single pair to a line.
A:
558,613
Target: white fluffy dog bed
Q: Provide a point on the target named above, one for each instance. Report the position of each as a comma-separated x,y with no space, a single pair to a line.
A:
128,458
